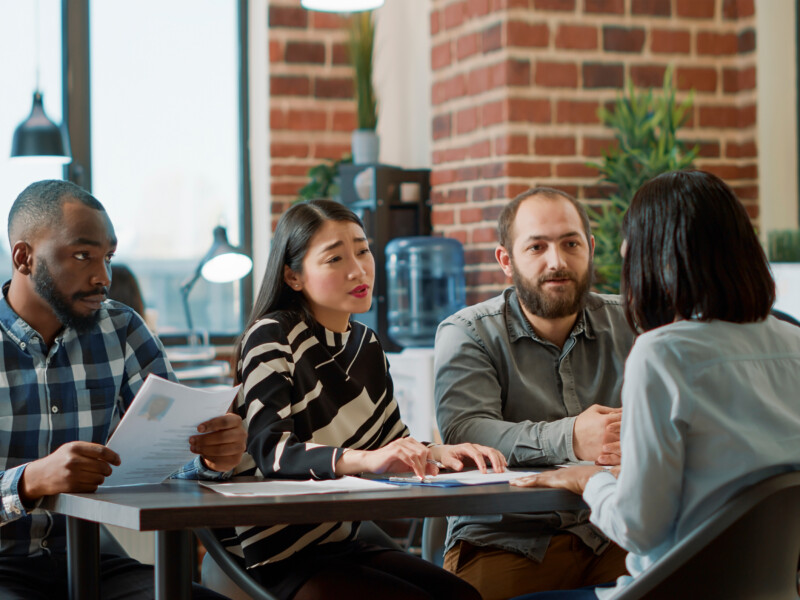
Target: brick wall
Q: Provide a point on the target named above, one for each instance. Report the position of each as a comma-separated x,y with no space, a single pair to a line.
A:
517,84
312,111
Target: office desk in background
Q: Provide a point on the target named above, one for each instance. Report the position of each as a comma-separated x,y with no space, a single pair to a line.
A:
173,508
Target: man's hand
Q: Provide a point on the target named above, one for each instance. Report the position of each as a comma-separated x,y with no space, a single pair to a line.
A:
573,479
453,457
611,452
73,467
591,430
222,444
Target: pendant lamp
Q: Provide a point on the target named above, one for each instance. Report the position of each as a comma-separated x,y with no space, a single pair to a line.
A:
38,138
341,5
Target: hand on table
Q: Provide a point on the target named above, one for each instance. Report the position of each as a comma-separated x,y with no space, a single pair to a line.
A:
611,450
591,430
222,443
74,467
403,454
452,457
573,479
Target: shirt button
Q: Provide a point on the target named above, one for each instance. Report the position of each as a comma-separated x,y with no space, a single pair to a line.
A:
23,345
54,409
44,543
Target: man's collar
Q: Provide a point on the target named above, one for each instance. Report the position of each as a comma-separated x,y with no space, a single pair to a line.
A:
519,326
16,327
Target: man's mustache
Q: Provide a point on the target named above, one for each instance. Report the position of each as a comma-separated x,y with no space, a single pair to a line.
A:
558,275
95,292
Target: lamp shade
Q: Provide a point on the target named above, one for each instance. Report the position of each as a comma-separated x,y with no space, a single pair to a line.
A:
37,137
341,5
223,262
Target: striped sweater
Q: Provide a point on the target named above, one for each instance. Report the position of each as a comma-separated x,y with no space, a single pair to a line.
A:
308,393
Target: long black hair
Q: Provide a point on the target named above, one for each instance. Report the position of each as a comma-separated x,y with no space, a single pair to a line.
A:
692,253
289,245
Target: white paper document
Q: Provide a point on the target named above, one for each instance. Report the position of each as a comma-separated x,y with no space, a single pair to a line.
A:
284,487
462,478
152,439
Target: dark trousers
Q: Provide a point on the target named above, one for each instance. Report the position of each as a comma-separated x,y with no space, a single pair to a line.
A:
45,578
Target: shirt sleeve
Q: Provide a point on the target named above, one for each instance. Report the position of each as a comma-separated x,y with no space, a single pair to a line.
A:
639,509
468,395
265,404
12,507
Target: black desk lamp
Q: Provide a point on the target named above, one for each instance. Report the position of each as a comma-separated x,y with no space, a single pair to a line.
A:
221,264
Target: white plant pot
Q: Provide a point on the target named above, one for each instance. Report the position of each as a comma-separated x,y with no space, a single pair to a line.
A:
366,146
787,287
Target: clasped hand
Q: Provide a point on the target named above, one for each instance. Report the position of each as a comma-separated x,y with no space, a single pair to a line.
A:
83,466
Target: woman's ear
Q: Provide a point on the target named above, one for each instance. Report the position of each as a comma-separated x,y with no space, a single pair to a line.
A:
292,279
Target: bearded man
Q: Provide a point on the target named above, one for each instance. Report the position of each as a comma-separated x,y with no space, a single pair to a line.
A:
536,373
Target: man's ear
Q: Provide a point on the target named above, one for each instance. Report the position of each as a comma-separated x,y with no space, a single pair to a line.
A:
292,279
22,258
591,246
503,257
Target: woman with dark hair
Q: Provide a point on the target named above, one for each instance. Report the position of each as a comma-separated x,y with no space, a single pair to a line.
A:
125,288
710,392
317,402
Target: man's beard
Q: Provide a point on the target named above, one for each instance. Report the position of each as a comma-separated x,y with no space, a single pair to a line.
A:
45,286
551,305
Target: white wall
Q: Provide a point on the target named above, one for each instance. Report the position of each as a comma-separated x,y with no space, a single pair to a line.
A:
776,82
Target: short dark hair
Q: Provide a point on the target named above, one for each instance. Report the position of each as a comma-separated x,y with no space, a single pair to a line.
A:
505,223
40,205
289,245
692,253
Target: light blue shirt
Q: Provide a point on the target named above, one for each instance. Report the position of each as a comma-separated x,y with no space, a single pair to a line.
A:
707,407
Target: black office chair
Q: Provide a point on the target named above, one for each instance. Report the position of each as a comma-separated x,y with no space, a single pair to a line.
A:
748,550
228,569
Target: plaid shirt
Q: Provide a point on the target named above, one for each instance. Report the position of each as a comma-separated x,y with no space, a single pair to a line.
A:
78,389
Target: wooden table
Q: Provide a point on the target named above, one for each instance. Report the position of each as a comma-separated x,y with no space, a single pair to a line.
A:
173,508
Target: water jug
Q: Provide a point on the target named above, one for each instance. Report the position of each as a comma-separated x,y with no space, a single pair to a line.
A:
425,284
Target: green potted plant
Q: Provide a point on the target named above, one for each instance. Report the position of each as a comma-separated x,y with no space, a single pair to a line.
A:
645,127
323,180
365,143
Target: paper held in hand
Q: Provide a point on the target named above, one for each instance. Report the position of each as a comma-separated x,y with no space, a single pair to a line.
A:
152,439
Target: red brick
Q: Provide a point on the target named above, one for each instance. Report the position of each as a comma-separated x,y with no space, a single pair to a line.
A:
600,75
484,235
695,9
576,37
575,169
741,150
670,41
565,5
442,126
480,80
288,16
747,41
435,22
529,110
327,20
493,170
492,38
597,191
476,257
482,149
735,80
727,116
440,216
441,56
467,173
702,79
492,276
333,87
527,35
278,170
717,44
461,236
286,188
478,8
738,9
287,150
705,149
656,8
275,51
306,120
470,215
623,39
344,121
577,111
340,54
454,155
552,74
526,169
454,14
494,113
648,75
511,144
613,7
554,146
441,177
467,45
746,192
511,72
596,146
278,119
331,151
289,85
483,193
492,213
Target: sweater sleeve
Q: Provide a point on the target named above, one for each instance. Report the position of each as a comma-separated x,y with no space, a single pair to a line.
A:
265,405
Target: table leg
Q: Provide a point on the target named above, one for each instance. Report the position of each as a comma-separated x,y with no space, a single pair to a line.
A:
83,556
173,565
